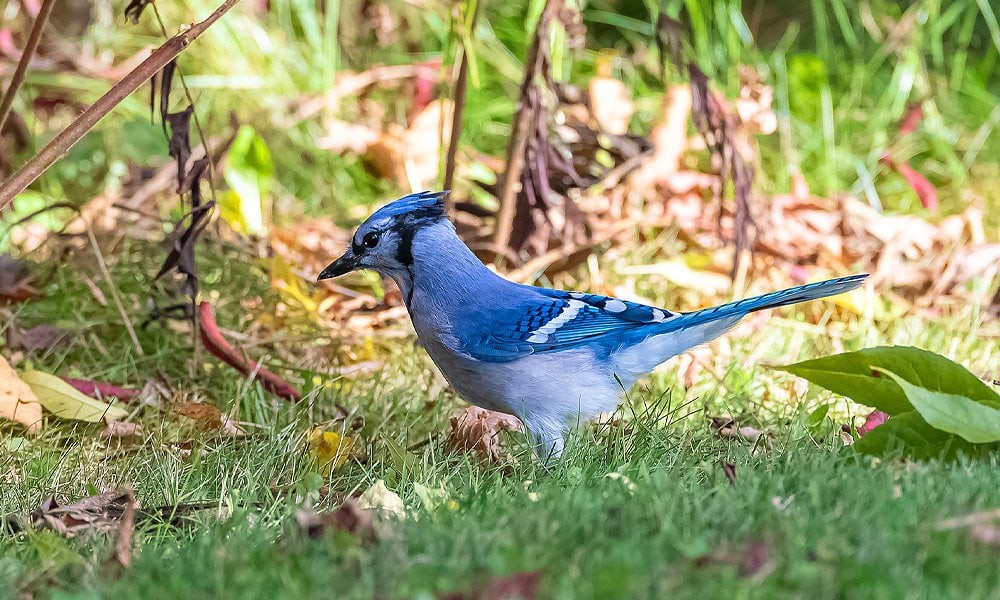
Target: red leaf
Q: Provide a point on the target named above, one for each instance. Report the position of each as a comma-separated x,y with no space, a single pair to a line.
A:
926,192
873,420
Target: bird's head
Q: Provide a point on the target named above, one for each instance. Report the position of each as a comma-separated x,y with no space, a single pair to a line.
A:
384,241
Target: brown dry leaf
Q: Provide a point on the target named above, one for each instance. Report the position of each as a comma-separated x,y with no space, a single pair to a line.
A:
208,418
669,138
17,402
727,427
14,276
342,136
729,470
611,104
34,339
94,513
120,430
477,430
410,156
754,104
522,585
122,558
348,517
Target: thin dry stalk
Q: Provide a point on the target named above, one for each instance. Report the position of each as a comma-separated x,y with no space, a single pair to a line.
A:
68,137
22,65
114,290
461,86
515,150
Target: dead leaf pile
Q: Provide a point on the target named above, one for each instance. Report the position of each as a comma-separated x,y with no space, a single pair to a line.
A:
99,513
477,430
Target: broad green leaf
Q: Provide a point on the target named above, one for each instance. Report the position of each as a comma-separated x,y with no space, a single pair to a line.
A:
910,434
249,173
63,400
851,374
972,421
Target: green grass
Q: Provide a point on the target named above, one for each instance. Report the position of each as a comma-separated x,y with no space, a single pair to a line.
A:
851,526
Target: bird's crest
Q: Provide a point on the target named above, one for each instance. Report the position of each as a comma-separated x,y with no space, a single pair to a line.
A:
419,206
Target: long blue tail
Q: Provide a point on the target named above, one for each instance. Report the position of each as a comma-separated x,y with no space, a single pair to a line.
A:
802,293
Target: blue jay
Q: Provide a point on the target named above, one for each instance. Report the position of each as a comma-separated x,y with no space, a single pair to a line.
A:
552,358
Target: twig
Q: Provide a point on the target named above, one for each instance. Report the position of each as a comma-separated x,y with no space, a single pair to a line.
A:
515,149
22,65
114,290
461,85
224,351
68,137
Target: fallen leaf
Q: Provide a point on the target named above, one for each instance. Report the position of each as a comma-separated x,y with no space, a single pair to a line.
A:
477,430
727,427
94,513
342,136
14,276
208,417
873,420
381,499
729,470
329,450
410,156
118,430
523,585
65,401
611,104
34,339
18,402
126,529
348,517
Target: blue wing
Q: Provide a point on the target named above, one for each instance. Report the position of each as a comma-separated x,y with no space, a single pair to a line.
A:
554,320
545,320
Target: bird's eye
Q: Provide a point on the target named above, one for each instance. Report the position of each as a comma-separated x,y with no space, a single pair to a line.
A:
370,240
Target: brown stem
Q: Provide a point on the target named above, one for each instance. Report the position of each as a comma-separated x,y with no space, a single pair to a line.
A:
515,149
22,65
224,351
68,137
461,86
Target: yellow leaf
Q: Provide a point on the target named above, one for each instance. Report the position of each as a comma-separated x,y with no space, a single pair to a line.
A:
289,285
857,301
329,449
63,400
17,402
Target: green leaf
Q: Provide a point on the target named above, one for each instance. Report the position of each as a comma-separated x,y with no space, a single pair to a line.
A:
64,400
974,422
851,374
249,173
911,435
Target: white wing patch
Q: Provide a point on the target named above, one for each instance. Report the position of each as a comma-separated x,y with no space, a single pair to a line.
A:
614,305
541,335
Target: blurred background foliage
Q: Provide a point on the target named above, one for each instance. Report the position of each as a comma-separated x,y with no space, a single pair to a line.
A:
844,73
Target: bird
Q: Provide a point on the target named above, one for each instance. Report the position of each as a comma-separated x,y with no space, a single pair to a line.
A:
551,358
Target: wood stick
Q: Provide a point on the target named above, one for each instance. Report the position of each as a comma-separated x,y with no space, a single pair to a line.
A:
68,137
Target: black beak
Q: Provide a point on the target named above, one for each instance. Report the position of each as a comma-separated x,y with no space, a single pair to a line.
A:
343,265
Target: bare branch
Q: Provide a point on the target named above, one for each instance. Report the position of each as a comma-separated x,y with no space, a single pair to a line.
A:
68,137
22,65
